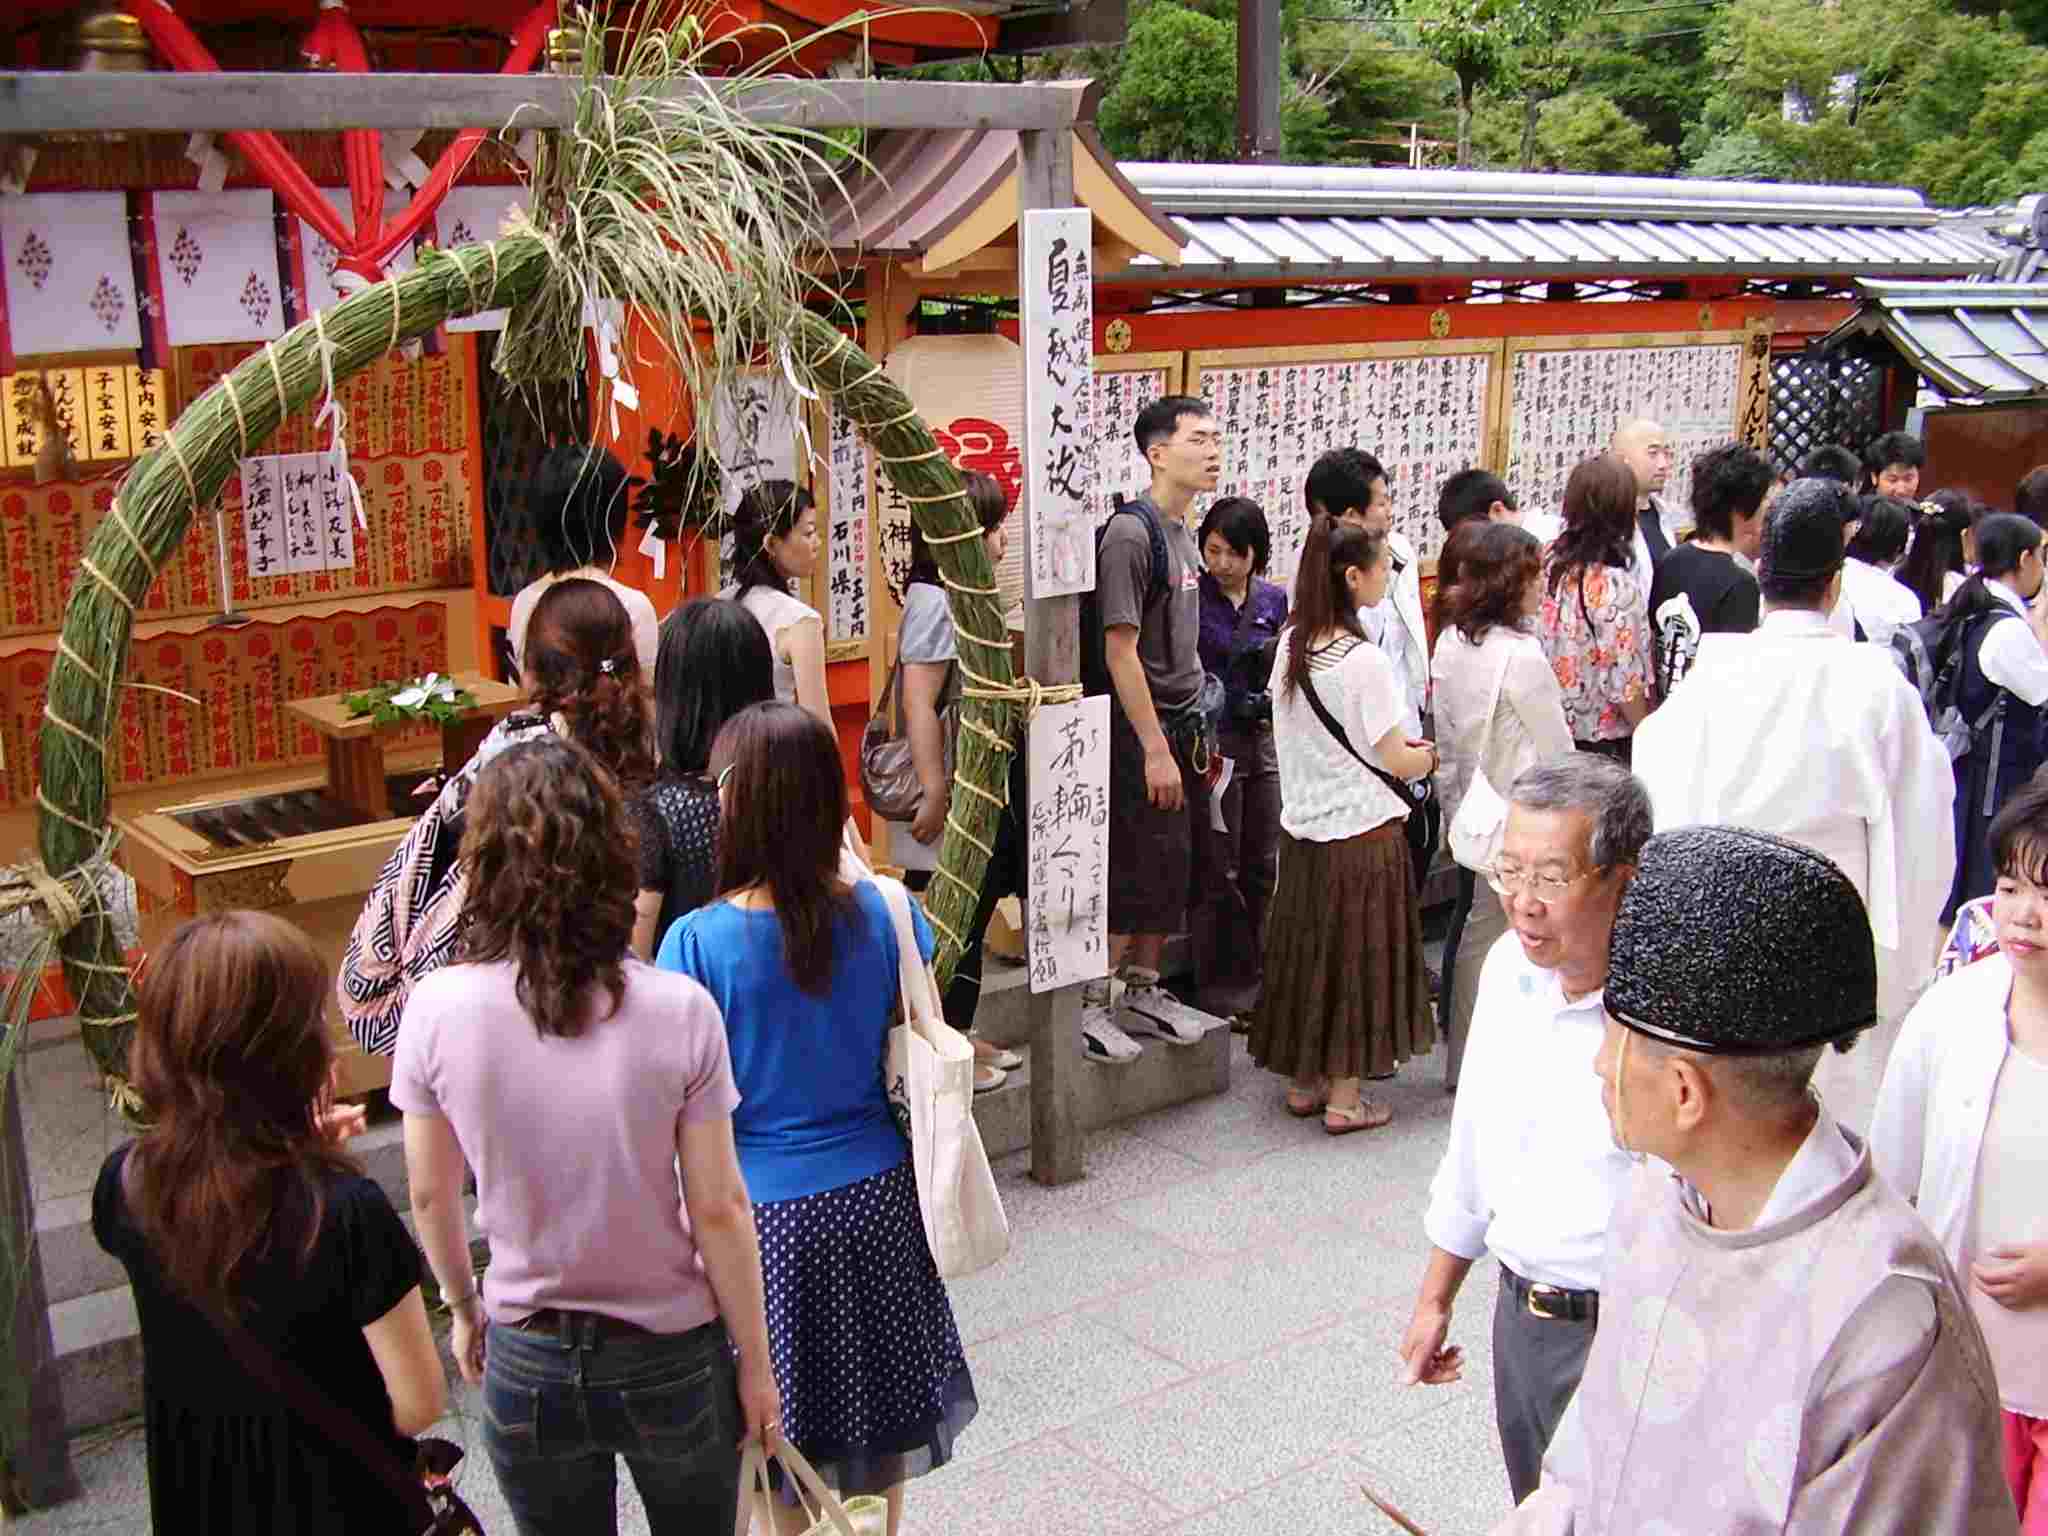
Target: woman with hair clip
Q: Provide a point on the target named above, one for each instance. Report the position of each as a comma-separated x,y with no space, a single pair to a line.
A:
775,542
928,659
1595,622
2003,683
1498,711
581,494
1942,550
804,966
582,681
714,662
1347,995
576,1081
237,1210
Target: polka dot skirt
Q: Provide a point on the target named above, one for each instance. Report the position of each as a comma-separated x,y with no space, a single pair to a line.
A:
867,1356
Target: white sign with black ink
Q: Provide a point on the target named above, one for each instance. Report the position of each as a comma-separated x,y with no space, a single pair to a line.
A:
1058,324
1067,894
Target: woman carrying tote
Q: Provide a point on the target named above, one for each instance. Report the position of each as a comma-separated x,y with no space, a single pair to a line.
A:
1346,996
576,1081
804,966
237,1204
928,659
713,662
1498,711
583,682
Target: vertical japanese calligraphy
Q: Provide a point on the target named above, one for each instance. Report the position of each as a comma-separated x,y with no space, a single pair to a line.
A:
263,516
846,540
754,436
1057,322
1565,404
1067,896
108,410
1120,393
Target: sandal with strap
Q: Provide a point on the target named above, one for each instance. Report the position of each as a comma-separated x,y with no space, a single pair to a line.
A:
1303,1109
1365,1115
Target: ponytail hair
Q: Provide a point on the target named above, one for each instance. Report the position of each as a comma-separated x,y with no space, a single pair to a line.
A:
770,510
2003,539
1322,599
582,665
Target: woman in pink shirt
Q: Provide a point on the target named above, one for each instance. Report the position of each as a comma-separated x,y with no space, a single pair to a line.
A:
574,1080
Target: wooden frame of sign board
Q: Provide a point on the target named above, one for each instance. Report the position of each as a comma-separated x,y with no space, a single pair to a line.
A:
1752,389
1493,348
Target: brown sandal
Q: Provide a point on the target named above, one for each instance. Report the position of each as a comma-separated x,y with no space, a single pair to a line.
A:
1365,1116
1302,1110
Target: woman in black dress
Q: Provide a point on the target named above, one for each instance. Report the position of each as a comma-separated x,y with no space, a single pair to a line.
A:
712,662
237,1203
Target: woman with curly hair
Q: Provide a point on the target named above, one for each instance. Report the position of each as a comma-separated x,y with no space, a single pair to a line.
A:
583,681
237,1204
804,966
1498,711
575,1081
1595,621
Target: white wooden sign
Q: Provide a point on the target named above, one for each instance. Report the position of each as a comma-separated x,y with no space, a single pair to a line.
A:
1067,895
846,534
263,517
297,514
1057,321
754,436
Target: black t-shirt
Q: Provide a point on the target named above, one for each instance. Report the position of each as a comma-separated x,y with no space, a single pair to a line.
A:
1697,592
678,817
225,1455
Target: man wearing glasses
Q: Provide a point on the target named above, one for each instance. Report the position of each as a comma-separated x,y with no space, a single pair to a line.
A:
1531,1172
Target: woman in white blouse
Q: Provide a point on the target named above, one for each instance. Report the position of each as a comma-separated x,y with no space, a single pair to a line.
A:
1498,710
1347,997
775,542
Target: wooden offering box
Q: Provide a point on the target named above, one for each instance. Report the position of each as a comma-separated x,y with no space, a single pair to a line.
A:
308,849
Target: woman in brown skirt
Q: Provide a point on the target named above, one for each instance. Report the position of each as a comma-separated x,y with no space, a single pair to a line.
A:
1346,994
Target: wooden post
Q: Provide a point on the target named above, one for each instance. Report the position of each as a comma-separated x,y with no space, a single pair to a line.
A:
38,1474
1052,654
1258,82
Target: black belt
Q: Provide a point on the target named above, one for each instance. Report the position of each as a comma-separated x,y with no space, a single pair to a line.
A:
573,1328
1552,1303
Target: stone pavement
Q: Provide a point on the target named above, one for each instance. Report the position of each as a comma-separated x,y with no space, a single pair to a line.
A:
1196,1339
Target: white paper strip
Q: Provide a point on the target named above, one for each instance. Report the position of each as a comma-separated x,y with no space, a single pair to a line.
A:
300,474
337,530
70,276
1058,324
262,518
217,263
1066,927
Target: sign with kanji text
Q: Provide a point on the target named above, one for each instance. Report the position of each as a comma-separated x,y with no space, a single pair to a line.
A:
846,541
1057,323
107,411
1066,931
297,514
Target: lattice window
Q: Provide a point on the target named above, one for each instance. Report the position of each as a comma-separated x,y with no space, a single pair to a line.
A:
1819,398
519,426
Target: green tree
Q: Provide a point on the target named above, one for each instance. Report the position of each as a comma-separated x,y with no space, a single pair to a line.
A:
1473,39
1737,155
1175,98
1578,131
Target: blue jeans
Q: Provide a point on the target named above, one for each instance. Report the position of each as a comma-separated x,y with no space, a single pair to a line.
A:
558,1406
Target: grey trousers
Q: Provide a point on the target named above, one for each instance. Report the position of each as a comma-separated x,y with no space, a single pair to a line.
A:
1537,1363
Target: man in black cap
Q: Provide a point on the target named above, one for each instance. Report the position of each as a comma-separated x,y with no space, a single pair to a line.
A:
1791,729
1782,1346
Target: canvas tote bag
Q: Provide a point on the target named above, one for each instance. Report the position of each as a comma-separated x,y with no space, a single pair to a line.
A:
855,1517
929,1074
1482,815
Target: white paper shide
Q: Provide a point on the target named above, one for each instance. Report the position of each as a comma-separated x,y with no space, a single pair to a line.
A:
1067,895
1058,327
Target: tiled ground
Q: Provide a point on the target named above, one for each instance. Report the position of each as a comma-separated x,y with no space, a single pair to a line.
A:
1198,1339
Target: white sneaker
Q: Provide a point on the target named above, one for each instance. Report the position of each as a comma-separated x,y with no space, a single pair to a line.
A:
1155,1011
1102,1042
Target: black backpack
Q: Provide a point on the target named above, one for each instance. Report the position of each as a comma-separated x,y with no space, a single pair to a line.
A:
1930,653
1094,640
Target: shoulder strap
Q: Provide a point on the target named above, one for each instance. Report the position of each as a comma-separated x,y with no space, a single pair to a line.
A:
1336,729
1500,682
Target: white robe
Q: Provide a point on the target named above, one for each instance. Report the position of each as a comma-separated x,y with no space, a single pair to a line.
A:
1794,731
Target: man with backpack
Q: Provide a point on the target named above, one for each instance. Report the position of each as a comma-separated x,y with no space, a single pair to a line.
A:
1795,731
1141,628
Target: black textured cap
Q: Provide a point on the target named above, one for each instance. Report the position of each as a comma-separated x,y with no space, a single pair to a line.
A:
1803,531
1742,944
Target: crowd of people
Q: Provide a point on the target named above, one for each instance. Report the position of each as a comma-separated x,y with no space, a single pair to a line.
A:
1709,826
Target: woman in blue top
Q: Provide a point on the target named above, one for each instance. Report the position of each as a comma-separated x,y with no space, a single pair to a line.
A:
874,1382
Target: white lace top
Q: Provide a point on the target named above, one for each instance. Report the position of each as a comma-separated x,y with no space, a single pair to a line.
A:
1326,795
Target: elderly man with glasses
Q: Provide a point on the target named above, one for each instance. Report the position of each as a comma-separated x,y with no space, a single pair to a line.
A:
1532,1172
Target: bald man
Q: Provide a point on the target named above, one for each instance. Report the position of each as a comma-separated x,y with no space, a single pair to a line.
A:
1644,447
